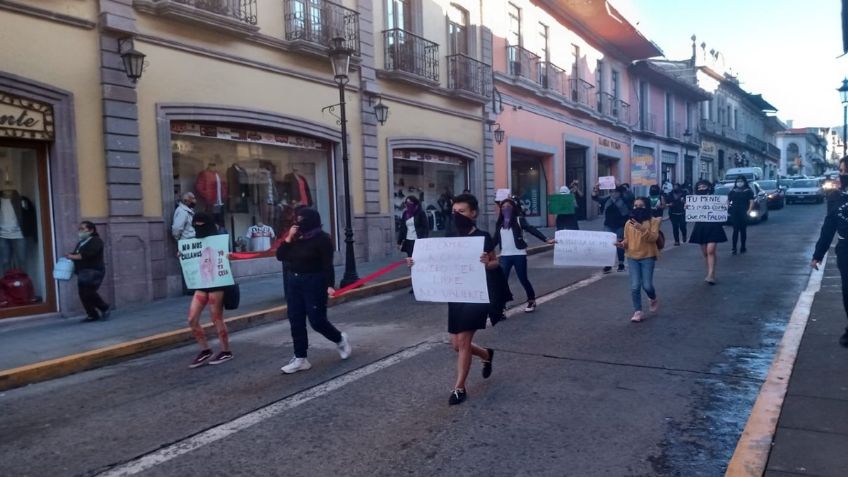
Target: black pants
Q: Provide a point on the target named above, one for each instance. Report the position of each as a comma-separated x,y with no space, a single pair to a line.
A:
306,296
842,264
88,282
567,222
740,231
678,226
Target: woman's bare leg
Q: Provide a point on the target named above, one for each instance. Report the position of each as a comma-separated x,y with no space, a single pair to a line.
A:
198,303
216,308
465,348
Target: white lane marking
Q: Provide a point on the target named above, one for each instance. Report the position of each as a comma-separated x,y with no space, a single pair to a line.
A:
226,429
754,445
558,293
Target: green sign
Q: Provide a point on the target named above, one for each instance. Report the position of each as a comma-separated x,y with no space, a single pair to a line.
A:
561,204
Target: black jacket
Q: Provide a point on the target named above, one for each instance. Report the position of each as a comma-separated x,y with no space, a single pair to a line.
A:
518,229
92,254
676,202
616,212
422,226
313,255
835,222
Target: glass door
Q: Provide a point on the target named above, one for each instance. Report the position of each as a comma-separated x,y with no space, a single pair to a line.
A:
26,248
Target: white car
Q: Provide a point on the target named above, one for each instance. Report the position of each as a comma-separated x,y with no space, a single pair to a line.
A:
805,190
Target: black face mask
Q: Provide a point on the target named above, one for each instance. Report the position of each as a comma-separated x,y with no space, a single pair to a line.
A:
702,191
640,214
843,181
463,224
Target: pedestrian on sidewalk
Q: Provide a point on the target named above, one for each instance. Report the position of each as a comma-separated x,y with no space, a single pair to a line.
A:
836,223
204,226
616,212
708,235
676,201
657,201
181,225
413,225
640,246
464,319
741,203
308,253
90,270
569,221
509,235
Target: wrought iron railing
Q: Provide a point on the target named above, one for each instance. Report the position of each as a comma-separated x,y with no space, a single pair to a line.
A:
606,105
551,76
581,92
622,111
320,22
522,63
648,122
710,126
773,151
241,10
755,142
675,130
469,75
411,53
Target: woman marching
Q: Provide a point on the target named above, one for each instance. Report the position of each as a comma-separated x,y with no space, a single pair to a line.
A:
708,235
308,253
741,202
464,319
413,226
640,246
509,234
657,201
677,212
204,226
90,270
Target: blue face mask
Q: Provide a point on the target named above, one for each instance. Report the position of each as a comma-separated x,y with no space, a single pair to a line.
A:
84,234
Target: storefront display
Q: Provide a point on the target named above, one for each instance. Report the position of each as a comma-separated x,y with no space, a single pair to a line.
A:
529,184
251,181
433,177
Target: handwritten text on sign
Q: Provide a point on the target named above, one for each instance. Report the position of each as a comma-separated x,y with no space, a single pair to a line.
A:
606,182
205,263
449,270
706,208
581,248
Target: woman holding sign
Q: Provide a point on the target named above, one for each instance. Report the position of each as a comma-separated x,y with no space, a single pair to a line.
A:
204,226
741,200
640,245
464,319
708,235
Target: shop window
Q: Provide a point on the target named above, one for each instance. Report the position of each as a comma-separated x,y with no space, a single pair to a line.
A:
529,184
434,178
252,182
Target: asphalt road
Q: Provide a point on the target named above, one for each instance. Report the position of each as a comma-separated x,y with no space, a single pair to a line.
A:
577,389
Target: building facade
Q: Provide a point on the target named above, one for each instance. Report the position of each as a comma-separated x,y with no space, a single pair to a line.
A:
803,151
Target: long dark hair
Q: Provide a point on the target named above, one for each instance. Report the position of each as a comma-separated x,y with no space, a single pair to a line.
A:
516,212
705,183
744,180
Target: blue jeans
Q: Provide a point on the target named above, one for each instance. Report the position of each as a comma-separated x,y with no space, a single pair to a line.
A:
12,253
520,264
306,296
641,277
619,234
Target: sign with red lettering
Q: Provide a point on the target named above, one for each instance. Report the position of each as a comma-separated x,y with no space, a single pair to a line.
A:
449,270
22,118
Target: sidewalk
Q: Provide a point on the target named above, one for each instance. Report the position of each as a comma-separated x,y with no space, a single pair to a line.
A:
36,349
812,432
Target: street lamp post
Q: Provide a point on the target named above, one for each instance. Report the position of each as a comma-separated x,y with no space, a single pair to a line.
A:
340,58
843,93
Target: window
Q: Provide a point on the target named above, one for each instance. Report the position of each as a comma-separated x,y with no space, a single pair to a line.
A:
615,84
728,116
399,15
599,84
688,116
669,115
306,20
513,36
735,118
575,62
544,55
643,105
457,31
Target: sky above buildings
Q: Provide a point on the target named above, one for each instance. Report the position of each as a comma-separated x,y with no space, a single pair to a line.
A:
783,49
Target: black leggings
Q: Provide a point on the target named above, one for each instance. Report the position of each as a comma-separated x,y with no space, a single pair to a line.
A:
740,230
678,226
842,264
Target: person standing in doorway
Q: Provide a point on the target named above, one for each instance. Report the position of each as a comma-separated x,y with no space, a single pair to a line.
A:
616,212
676,201
181,225
708,235
640,246
740,204
308,253
90,270
509,234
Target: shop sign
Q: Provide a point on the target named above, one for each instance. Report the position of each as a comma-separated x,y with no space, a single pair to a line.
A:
246,135
708,147
25,119
609,143
421,156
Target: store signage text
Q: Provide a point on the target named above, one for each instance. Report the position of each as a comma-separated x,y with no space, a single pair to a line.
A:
708,148
246,135
21,118
604,142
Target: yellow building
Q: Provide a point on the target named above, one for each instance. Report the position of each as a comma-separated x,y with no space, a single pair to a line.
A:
231,104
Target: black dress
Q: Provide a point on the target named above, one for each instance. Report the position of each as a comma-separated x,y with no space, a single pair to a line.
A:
470,316
708,232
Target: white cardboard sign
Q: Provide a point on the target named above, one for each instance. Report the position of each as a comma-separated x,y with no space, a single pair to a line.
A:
606,182
205,262
501,194
582,248
706,208
449,270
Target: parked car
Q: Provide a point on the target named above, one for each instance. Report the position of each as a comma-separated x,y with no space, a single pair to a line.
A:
775,195
760,210
805,190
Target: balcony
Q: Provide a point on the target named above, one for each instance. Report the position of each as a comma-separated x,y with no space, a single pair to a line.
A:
551,76
234,16
623,111
710,126
313,26
410,57
606,105
755,143
773,151
581,92
648,123
469,77
522,63
675,131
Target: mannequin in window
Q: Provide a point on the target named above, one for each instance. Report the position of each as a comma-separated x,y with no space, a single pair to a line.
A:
259,237
296,188
17,224
239,186
212,188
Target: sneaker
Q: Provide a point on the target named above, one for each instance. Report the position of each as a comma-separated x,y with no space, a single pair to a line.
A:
457,397
201,358
620,267
637,317
743,250
607,269
487,365
344,347
843,340
676,244
296,364
733,252
222,357
531,306
655,305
